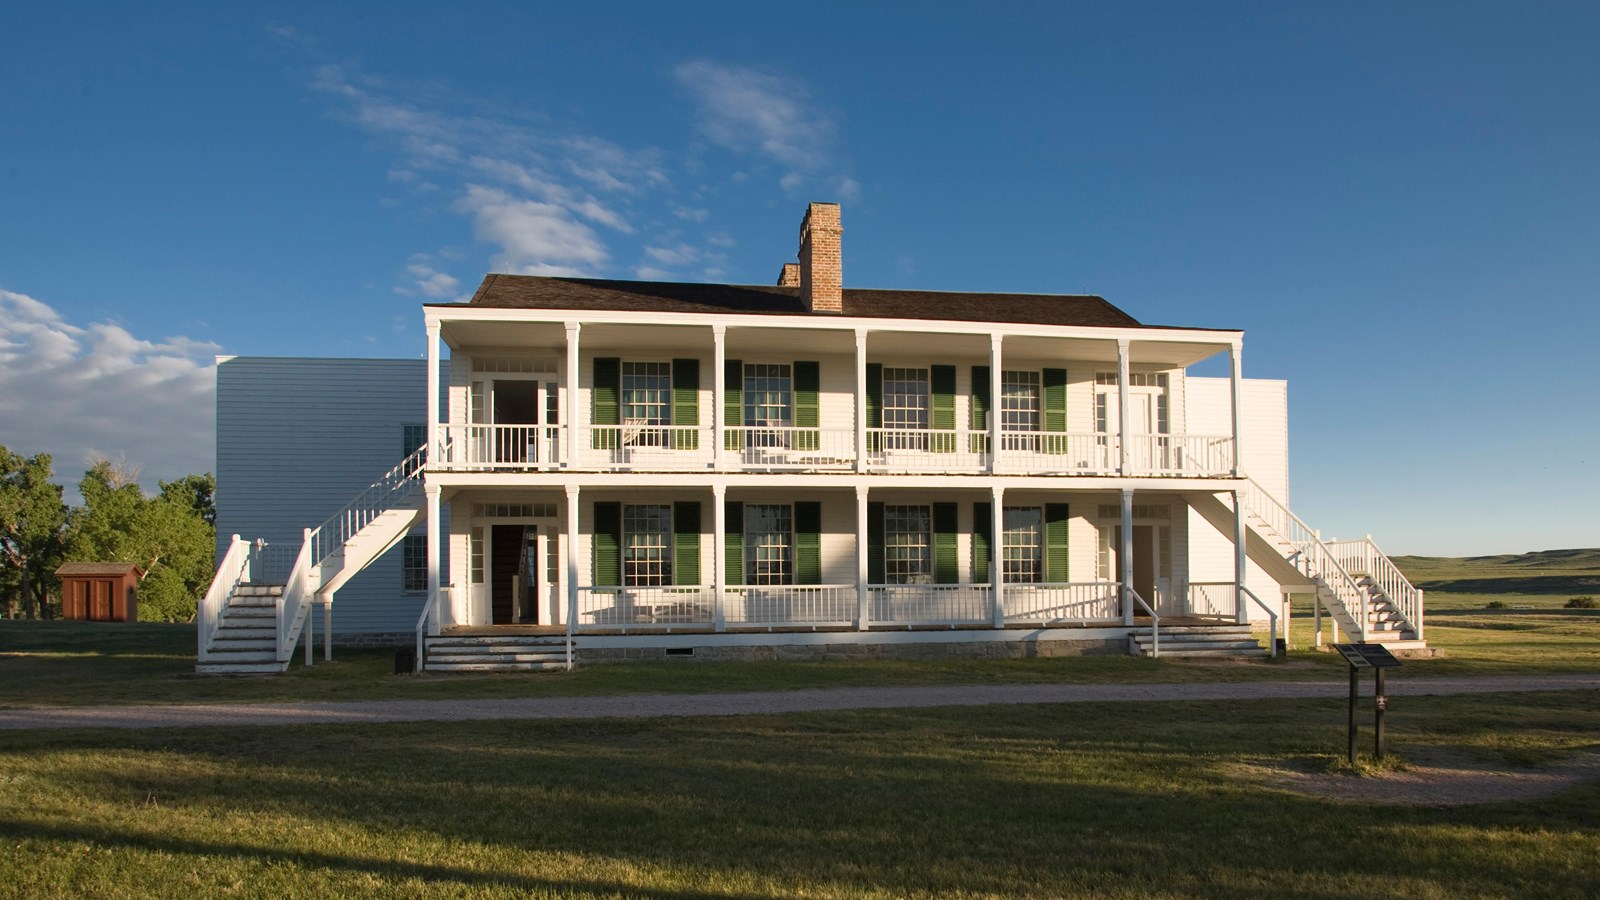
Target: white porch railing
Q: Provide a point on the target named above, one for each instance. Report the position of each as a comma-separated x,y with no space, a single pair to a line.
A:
1362,557
1312,556
644,608
797,605
1046,604
923,450
520,447
270,563
294,604
772,449
649,448
231,572
1186,455
931,604
1059,453
1212,600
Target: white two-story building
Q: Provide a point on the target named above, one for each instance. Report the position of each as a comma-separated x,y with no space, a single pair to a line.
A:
620,469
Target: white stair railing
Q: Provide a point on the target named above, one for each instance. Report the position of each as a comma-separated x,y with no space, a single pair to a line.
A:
1271,614
1314,558
1364,557
379,497
295,601
1155,620
231,572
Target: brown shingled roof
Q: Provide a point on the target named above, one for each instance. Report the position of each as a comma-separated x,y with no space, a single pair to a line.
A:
92,568
536,292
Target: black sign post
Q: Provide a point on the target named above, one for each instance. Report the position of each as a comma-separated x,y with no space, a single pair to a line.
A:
1367,656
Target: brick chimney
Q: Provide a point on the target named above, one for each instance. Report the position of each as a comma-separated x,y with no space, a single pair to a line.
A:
789,276
821,269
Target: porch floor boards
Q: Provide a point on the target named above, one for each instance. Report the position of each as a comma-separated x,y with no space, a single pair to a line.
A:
552,630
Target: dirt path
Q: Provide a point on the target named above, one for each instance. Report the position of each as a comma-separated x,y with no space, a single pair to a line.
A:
733,704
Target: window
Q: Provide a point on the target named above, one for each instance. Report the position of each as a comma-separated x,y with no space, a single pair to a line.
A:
1023,545
414,563
646,544
1019,401
768,544
768,395
647,393
475,555
552,403
907,544
905,399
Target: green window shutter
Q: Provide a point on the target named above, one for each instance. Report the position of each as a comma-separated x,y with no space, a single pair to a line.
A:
875,543
607,544
733,542
982,540
944,544
808,543
874,406
686,542
807,397
606,401
1055,543
942,411
980,408
686,402
1054,403
733,407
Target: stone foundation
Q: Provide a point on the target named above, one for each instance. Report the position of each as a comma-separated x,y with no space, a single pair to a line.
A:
384,640
822,651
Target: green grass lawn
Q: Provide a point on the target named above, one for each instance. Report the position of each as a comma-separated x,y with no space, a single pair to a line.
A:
1149,799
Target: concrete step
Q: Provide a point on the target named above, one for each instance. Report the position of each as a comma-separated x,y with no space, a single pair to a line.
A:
1200,645
498,641
495,667
220,668
1181,653
455,658
218,654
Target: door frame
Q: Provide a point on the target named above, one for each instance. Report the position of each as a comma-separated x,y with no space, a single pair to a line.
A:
480,607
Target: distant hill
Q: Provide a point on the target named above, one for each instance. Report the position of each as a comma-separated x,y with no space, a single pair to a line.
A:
1543,572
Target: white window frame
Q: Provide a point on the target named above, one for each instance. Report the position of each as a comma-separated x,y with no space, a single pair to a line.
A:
647,555
768,554
907,554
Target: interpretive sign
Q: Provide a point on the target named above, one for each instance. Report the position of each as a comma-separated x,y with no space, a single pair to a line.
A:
1377,658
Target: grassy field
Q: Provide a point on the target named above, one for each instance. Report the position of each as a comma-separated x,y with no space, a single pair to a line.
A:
1147,799
1544,579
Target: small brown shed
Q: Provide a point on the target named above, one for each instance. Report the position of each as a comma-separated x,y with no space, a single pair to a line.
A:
100,592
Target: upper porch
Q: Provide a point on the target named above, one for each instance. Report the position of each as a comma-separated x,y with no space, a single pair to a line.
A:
598,391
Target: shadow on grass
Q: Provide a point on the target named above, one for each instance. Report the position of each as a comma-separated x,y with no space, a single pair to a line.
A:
1003,800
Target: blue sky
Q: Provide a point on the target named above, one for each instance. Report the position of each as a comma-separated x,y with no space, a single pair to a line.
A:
1397,202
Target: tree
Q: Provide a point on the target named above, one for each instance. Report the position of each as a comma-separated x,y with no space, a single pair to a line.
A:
171,536
32,522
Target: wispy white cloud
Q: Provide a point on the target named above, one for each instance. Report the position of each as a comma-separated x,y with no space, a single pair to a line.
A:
427,281
535,238
80,391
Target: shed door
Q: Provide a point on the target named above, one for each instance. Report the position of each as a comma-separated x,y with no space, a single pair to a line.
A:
101,605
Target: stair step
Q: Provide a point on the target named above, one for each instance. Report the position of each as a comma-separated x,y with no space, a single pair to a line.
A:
453,658
492,641
1257,652
229,655
1186,646
217,668
495,667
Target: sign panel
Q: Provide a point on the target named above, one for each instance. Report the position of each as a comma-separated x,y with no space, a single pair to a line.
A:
1367,656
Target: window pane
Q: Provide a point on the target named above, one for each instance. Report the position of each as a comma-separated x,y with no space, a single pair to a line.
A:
768,544
414,563
768,395
905,398
647,393
1019,401
646,544
1023,556
907,544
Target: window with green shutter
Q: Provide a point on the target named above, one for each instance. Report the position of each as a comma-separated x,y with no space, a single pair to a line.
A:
606,401
686,403
1055,411
875,544
733,542
979,422
607,555
945,568
874,405
942,408
733,404
982,541
1055,543
807,405
808,542
686,542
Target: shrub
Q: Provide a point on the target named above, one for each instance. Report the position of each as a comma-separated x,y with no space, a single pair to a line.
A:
1580,603
1495,604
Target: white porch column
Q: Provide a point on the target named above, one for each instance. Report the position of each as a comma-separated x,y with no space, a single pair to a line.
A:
1240,562
863,599
995,361
1125,555
435,545
432,440
861,400
719,389
1124,399
1238,405
572,558
996,550
719,555
569,395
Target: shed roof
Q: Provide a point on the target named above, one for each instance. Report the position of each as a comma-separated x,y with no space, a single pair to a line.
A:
98,568
540,292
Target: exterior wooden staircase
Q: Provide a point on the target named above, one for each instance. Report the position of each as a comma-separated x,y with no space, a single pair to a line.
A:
494,653
255,614
1354,582
1198,641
